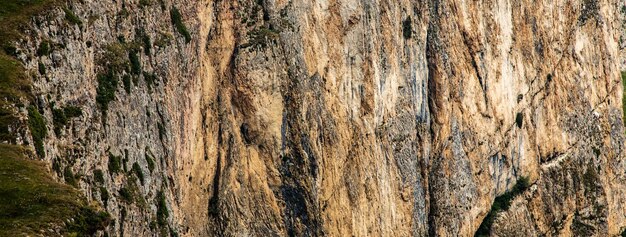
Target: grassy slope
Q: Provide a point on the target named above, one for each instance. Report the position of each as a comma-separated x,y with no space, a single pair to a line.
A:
31,201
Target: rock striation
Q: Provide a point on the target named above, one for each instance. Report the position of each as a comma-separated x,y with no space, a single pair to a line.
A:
336,117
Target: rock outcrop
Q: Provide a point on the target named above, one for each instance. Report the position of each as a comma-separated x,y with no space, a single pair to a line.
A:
338,117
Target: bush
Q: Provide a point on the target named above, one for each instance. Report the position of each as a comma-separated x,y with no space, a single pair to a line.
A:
162,212
145,3
114,164
61,117
59,120
38,130
150,78
177,20
130,193
44,49
126,82
147,43
89,221
161,131
104,195
107,85
71,17
137,170
69,177
135,63
502,203
42,68
98,176
72,111
407,28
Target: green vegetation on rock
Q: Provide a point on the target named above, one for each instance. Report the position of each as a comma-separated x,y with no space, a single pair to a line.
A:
177,20
501,203
71,17
61,117
115,164
37,125
138,172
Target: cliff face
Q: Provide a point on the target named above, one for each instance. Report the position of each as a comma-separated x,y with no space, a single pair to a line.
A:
338,117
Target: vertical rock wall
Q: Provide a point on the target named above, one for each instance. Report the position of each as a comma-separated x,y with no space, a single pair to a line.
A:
337,117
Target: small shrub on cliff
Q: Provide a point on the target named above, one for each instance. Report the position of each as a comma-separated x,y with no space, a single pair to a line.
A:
145,3
135,63
42,68
37,125
89,221
137,170
44,49
407,28
177,20
98,176
162,212
69,177
130,193
147,43
126,82
107,85
501,203
61,117
71,17
104,195
115,164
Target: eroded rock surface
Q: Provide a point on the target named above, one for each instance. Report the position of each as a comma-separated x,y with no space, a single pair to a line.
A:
338,117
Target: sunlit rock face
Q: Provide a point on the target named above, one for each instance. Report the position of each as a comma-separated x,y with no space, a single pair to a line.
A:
338,117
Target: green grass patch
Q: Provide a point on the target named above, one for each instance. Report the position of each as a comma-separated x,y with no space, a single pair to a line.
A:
14,85
177,20
15,14
501,203
31,201
37,125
